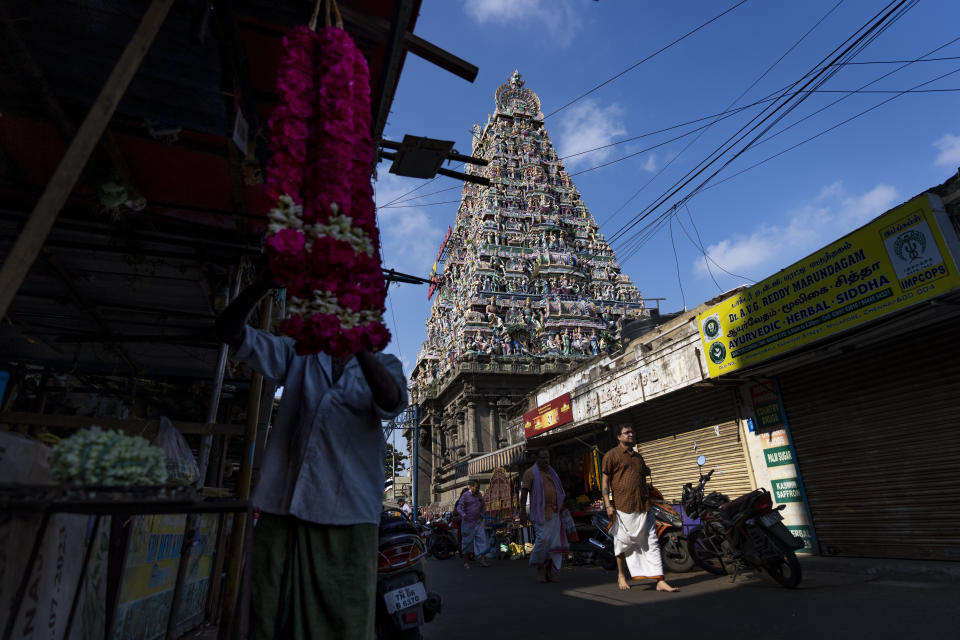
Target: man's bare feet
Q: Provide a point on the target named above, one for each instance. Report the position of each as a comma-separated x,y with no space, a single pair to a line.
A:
663,586
622,583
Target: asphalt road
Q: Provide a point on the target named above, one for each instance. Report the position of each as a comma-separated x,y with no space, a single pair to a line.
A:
505,601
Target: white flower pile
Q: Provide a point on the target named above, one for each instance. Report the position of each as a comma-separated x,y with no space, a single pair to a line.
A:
109,458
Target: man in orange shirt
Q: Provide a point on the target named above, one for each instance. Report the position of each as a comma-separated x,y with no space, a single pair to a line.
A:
634,536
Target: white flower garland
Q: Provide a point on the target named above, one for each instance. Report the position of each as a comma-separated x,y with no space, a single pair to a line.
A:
288,215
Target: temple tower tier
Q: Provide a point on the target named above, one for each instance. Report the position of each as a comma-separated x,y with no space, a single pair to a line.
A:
530,289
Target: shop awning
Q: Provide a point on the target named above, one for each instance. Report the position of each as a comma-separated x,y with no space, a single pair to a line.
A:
502,458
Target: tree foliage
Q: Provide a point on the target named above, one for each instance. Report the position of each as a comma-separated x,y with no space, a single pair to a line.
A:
393,464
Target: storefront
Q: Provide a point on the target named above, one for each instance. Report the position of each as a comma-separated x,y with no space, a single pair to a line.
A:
851,418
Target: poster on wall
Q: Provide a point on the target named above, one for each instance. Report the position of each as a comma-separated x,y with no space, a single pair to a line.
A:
897,260
150,574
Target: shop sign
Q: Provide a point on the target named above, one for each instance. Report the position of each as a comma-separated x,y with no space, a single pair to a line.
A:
778,456
897,260
548,416
803,532
786,490
766,406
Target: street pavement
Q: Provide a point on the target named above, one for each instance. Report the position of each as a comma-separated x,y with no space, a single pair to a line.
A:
506,601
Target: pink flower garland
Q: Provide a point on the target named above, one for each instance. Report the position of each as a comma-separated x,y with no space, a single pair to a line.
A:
323,242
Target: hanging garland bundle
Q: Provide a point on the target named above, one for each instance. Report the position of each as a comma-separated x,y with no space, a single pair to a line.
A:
323,243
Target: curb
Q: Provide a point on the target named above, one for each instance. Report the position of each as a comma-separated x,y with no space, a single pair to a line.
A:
886,568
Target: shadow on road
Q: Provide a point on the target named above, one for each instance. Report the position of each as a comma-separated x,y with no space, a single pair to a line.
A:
506,601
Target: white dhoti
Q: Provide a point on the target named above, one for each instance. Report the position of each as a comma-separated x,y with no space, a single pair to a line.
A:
474,538
635,537
551,543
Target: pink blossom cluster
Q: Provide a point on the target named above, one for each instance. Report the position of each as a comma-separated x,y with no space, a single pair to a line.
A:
322,157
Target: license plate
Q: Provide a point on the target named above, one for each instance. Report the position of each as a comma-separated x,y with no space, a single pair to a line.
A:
404,597
771,518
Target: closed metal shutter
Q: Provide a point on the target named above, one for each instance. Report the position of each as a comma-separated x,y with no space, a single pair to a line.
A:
878,441
666,430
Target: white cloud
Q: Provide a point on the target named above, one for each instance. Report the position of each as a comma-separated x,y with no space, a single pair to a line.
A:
556,16
949,146
586,125
651,163
410,238
831,214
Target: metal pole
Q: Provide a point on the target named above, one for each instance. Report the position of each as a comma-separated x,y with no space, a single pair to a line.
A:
415,451
237,547
207,442
393,458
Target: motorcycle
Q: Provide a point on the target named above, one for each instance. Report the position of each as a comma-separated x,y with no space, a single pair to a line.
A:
441,540
746,532
403,602
674,548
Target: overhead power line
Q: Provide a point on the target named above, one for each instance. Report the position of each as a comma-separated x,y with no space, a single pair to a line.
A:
770,116
732,102
649,57
828,130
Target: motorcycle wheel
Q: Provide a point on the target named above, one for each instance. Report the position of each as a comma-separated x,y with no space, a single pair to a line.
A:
675,552
785,570
703,556
441,547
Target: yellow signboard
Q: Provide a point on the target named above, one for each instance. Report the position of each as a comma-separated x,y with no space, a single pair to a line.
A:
897,260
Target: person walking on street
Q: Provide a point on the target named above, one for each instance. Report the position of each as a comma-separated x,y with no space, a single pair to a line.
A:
320,488
407,511
472,510
634,536
542,484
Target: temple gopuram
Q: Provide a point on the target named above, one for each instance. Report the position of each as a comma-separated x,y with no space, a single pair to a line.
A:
530,289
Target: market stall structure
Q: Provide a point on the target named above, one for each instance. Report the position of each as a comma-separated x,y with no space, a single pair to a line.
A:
132,148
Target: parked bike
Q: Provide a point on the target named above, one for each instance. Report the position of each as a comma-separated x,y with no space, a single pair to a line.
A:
674,548
744,533
403,602
441,540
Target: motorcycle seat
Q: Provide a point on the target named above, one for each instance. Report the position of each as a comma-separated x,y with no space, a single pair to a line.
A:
734,507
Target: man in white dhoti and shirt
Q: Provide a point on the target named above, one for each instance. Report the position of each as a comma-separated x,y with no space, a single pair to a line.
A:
543,486
634,535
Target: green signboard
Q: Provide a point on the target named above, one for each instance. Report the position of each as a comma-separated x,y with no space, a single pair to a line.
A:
786,490
778,456
803,532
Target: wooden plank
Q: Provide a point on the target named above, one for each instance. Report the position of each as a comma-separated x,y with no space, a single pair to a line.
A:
379,29
133,426
34,234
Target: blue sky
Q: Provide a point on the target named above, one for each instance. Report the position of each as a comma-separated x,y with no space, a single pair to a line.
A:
751,225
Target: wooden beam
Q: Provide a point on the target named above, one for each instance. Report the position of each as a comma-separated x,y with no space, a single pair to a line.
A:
379,29
133,425
383,97
30,241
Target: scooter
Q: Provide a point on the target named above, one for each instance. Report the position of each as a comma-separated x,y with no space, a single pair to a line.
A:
674,549
403,602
